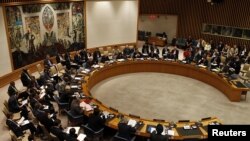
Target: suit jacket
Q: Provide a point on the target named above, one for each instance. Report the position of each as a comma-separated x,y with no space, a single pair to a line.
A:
26,79
96,123
75,108
84,56
137,55
14,127
58,133
145,49
96,55
13,104
47,62
157,137
175,53
125,131
12,90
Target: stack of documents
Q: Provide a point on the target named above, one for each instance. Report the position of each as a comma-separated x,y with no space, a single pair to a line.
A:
132,122
81,137
86,106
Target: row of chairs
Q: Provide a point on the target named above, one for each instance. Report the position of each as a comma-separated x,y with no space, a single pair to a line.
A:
109,50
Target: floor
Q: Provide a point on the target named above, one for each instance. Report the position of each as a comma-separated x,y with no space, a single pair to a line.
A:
169,97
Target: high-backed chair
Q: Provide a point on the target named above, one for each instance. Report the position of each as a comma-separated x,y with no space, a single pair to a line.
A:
61,106
121,48
245,69
101,50
74,120
93,135
60,68
246,77
118,138
15,138
39,69
46,134
109,49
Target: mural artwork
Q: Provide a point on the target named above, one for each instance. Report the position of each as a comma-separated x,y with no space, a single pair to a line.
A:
40,29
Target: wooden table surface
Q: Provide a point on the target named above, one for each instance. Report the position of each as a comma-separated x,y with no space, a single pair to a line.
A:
97,75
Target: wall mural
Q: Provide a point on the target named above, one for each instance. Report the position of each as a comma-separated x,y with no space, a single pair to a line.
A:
40,29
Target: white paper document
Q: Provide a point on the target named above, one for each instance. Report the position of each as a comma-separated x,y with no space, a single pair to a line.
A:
74,86
81,137
187,127
86,106
132,122
24,102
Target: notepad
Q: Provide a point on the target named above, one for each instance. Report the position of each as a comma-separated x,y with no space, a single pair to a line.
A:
86,106
21,121
187,127
170,132
120,60
96,66
81,137
45,107
74,86
76,128
24,102
202,66
132,122
78,78
25,122
42,95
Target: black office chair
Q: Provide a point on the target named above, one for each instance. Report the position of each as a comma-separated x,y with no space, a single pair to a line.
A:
93,135
118,138
61,106
74,120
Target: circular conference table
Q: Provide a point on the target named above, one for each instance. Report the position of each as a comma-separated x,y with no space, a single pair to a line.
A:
161,66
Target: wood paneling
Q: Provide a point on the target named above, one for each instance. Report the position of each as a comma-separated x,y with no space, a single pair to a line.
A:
192,13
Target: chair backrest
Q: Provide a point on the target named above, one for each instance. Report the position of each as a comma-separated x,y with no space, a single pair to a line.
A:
39,68
52,70
59,67
246,67
223,59
105,53
45,131
13,126
6,112
101,50
6,104
13,136
248,74
109,49
121,48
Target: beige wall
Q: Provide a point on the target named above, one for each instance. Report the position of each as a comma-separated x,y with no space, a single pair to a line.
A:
162,23
111,22
5,63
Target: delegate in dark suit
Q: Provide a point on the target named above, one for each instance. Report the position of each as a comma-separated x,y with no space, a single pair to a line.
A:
157,136
96,122
96,56
18,130
25,78
125,131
